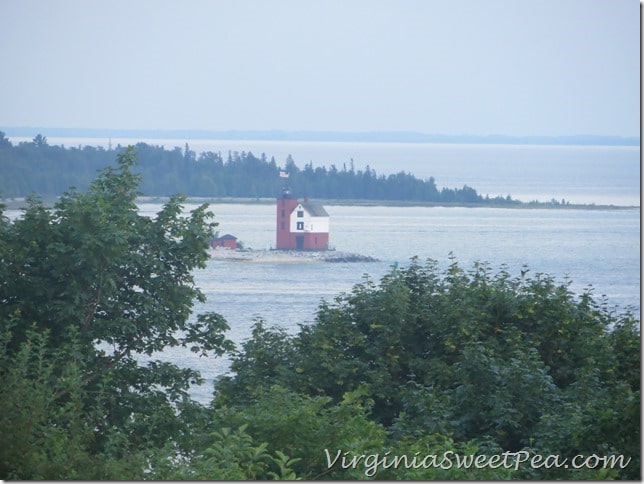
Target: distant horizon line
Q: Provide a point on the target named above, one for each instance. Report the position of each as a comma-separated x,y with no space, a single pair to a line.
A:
323,136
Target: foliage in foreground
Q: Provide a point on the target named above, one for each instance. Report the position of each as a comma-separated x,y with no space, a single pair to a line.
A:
477,357
427,362
86,289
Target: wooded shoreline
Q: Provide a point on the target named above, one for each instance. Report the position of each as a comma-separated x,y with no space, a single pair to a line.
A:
405,203
241,177
20,202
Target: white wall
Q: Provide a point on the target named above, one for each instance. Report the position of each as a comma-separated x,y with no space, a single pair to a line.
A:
311,224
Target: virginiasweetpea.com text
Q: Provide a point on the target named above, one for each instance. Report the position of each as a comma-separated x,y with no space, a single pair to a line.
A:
372,463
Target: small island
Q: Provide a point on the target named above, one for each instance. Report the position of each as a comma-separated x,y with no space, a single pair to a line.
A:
301,235
271,256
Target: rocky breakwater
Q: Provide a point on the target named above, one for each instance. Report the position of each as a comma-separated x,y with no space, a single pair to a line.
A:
333,256
287,256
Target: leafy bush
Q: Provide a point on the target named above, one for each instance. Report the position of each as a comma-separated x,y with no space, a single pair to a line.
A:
471,355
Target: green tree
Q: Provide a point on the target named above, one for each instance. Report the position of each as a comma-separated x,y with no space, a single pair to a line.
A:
228,455
4,141
40,141
93,282
302,426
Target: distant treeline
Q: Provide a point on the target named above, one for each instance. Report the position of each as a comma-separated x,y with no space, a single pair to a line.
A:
37,167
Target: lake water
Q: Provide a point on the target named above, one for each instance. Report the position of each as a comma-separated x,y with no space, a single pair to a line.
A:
598,248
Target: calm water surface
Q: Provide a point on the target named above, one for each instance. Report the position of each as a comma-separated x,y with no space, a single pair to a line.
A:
598,248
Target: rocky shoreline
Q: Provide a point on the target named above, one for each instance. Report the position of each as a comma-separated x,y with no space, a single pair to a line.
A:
287,256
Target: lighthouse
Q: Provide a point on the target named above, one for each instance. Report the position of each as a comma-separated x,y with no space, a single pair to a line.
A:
300,225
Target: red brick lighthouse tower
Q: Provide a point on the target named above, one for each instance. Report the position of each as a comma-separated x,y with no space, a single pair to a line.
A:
285,206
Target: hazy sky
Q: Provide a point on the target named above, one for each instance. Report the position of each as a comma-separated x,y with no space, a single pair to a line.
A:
514,67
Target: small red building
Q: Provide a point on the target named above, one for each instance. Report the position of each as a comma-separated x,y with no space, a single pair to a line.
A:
301,225
227,241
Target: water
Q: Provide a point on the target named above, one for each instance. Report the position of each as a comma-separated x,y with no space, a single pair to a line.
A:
598,248
579,174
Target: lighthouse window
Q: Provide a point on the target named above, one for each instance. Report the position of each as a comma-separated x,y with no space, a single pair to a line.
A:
300,213
283,213
300,226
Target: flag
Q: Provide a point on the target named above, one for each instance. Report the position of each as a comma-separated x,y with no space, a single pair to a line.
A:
283,174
